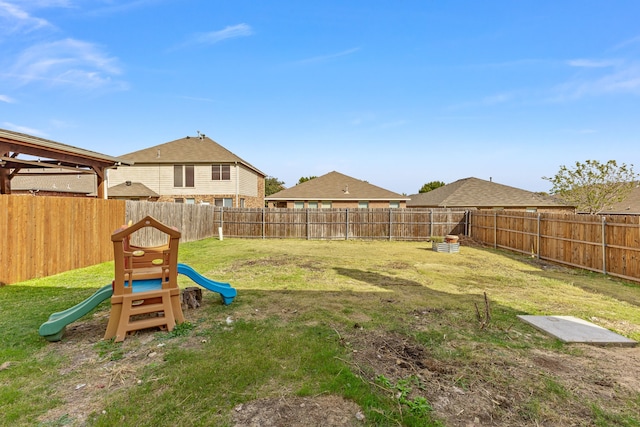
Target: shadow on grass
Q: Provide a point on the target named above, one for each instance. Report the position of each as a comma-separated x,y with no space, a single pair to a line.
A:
375,279
617,289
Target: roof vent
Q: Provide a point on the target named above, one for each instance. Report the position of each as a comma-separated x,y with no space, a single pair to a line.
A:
346,189
127,183
158,154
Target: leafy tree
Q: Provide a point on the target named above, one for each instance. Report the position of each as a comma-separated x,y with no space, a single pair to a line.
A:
272,185
431,186
305,179
593,186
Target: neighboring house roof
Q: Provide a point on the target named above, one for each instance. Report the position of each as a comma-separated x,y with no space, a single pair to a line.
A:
335,186
474,192
54,180
131,189
630,205
190,149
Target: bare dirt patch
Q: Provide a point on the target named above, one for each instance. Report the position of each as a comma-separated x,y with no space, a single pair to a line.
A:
298,411
496,391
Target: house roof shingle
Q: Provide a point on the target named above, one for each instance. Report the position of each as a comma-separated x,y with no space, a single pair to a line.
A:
131,189
190,149
475,192
630,205
335,186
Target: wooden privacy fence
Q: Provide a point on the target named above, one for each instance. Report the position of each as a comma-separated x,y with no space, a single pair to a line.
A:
195,222
607,244
48,235
42,236
341,224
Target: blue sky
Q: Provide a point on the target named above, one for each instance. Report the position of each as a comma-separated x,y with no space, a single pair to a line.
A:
398,93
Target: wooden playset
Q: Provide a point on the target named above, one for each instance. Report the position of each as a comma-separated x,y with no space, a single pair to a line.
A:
145,285
144,292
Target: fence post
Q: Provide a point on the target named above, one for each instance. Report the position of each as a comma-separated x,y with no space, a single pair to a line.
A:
307,221
390,222
495,229
466,223
263,227
430,222
346,231
604,245
538,237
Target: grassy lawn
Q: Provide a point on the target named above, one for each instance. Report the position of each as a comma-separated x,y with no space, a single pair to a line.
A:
330,333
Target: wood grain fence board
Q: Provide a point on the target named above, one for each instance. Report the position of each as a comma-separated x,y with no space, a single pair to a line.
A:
49,235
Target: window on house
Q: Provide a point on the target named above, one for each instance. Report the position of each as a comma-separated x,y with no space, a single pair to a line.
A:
363,205
394,205
221,172
224,203
298,205
179,200
313,205
242,203
183,176
191,201
531,210
326,205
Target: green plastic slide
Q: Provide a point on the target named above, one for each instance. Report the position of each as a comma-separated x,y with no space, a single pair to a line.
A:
53,328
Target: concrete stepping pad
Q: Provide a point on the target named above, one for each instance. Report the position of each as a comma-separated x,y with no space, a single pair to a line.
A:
570,329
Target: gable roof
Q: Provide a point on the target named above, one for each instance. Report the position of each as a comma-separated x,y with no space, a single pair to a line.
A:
131,189
335,186
474,192
190,149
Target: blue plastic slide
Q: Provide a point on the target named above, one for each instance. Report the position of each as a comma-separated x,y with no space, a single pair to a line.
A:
224,289
53,328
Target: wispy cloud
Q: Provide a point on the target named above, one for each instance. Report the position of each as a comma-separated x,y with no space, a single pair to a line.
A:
498,98
590,63
7,99
120,6
516,63
23,129
626,43
195,98
324,58
488,101
213,37
622,79
67,62
14,19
